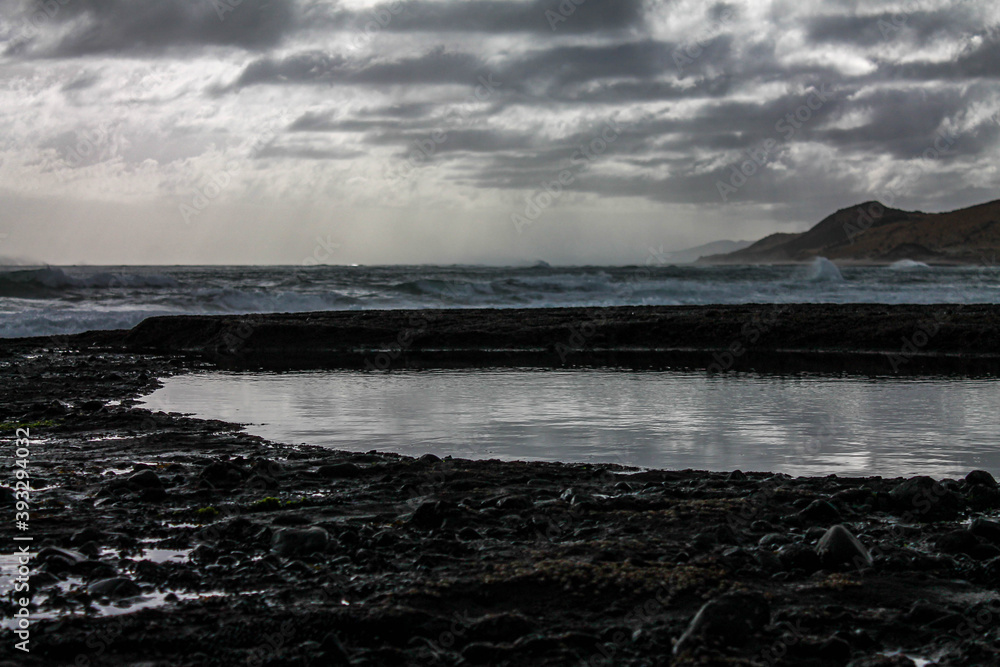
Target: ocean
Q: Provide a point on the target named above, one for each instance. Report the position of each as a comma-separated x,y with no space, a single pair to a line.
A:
42,301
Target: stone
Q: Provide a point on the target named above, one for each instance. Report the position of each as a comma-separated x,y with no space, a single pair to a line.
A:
115,587
820,511
958,542
145,479
986,529
731,619
980,477
339,470
839,548
429,515
923,497
798,557
736,476
293,542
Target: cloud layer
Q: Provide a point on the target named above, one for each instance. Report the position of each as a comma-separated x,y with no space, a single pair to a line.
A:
686,121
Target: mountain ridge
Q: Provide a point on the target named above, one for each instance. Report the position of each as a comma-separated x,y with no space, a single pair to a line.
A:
873,233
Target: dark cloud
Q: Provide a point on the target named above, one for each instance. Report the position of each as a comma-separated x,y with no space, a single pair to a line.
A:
436,67
152,26
498,16
915,27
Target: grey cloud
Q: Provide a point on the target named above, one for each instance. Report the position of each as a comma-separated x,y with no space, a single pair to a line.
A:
435,67
152,26
918,27
498,16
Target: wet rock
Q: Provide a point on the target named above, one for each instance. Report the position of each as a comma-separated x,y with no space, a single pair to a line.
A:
839,548
59,560
798,557
882,661
768,560
981,478
729,620
88,534
514,504
736,476
115,587
774,540
986,529
819,511
339,471
429,515
293,542
223,474
333,651
965,542
924,498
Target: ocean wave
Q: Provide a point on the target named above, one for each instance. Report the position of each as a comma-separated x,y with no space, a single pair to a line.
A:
823,270
50,281
908,265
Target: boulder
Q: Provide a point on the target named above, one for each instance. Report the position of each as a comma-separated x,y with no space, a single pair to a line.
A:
294,542
115,587
839,548
980,478
730,620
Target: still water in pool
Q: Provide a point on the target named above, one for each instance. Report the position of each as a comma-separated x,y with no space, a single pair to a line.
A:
802,425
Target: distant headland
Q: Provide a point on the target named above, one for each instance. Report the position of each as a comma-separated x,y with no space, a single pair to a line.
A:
873,233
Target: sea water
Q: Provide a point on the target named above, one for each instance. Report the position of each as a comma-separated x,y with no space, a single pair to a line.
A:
50,300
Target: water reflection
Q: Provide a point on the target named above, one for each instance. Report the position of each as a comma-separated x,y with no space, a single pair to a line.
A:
797,425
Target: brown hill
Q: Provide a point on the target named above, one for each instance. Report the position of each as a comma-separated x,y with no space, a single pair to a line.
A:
876,234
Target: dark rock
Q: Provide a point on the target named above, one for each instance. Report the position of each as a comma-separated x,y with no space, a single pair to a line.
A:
839,548
924,498
116,587
293,542
469,534
333,651
428,515
59,560
516,503
223,474
799,557
958,542
820,511
88,534
981,477
882,661
736,476
774,540
768,560
986,529
339,471
731,619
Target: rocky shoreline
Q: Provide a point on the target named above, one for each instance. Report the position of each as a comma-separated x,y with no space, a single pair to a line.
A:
166,540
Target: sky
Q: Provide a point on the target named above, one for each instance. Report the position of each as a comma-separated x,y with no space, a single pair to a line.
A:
478,131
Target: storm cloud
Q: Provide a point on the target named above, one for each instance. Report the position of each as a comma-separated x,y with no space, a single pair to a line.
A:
730,119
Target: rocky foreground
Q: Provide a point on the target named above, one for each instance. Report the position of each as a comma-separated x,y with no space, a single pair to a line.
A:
165,540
